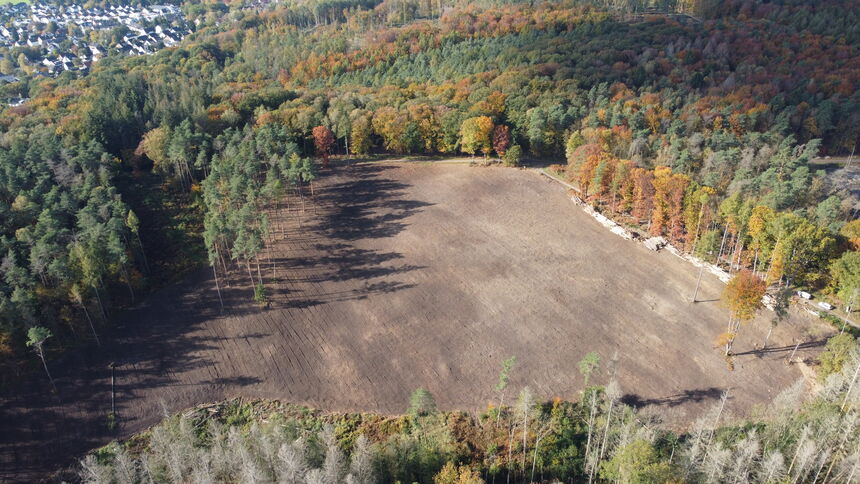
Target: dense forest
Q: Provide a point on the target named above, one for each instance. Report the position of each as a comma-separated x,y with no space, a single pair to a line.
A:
696,121
602,438
700,127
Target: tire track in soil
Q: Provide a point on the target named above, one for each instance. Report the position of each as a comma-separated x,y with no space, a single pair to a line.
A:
406,276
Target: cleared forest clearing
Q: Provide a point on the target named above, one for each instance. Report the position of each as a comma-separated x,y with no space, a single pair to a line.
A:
406,275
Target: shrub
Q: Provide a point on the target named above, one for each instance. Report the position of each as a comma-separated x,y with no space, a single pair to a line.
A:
260,294
513,156
421,403
835,354
637,462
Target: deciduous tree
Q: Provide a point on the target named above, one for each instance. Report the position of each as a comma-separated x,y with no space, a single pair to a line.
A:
36,337
501,139
476,135
323,141
742,296
846,278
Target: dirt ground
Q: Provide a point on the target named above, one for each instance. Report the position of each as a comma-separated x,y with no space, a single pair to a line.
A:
407,275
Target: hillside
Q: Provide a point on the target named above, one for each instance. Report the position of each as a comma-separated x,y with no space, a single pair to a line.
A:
179,172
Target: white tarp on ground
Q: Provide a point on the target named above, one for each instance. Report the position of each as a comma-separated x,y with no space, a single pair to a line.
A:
606,222
768,300
655,243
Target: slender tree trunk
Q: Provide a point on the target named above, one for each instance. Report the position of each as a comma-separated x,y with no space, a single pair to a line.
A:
250,275
218,287
142,252
525,436
510,451
90,320
534,457
285,214
853,470
590,432
793,352
820,466
767,338
848,432
605,433
302,198
850,387
734,252
729,331
271,258
99,299
723,243
45,364
797,451
128,282
725,397
259,272
772,256
224,266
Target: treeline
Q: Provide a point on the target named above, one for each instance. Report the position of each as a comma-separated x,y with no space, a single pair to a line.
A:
768,218
600,439
67,237
739,105
251,174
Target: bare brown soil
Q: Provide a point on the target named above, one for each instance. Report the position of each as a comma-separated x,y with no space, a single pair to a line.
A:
412,275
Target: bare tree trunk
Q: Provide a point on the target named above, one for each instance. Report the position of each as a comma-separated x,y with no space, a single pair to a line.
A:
142,252
734,252
218,287
223,265
723,399
772,256
767,338
793,352
128,282
259,272
850,387
271,258
739,251
302,197
853,470
99,299
590,432
821,465
510,450
90,320
250,275
849,431
731,337
45,364
605,433
797,450
534,456
723,243
525,436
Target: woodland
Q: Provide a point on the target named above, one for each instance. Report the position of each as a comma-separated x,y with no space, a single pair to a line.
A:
696,121
601,438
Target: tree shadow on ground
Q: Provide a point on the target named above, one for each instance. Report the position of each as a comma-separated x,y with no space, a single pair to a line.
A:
760,352
154,344
365,205
686,396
